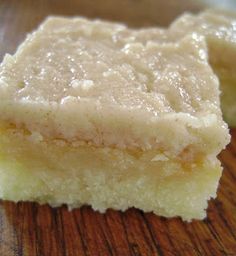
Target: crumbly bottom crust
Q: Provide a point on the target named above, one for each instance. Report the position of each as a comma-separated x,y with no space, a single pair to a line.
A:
57,173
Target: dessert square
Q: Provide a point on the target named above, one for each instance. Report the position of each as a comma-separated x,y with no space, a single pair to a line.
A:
218,28
89,114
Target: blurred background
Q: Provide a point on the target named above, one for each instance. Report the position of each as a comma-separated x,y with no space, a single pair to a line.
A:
19,17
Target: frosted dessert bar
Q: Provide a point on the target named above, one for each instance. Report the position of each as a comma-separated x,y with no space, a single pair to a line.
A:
219,29
88,117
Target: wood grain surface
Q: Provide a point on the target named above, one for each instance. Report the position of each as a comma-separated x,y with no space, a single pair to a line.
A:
30,229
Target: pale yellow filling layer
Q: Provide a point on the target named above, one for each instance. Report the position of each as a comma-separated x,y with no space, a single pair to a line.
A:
57,173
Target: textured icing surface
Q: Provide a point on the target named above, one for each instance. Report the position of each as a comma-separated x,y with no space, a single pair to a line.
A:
216,24
75,78
67,64
209,23
219,29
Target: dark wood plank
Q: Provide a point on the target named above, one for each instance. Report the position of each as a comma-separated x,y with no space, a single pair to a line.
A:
30,229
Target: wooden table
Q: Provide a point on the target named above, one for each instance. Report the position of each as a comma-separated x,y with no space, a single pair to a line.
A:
30,229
